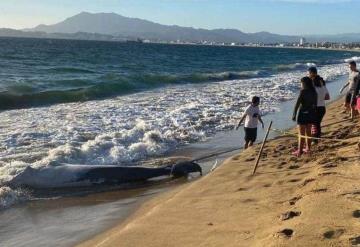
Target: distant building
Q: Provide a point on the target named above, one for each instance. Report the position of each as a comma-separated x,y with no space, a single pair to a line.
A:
302,41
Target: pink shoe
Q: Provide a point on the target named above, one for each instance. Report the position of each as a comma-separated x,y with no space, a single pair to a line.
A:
306,151
297,153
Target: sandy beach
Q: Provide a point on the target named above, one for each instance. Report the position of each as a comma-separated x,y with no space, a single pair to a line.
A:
308,201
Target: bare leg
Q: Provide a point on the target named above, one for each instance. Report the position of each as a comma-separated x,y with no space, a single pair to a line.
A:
246,144
251,144
301,143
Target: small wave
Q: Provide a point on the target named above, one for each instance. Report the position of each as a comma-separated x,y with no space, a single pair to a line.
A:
24,96
295,66
9,100
9,197
70,70
355,59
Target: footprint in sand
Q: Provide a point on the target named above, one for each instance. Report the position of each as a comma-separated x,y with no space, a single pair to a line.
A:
333,233
294,200
355,241
289,215
249,200
242,189
319,190
287,233
328,166
308,181
302,173
293,167
294,180
327,174
356,214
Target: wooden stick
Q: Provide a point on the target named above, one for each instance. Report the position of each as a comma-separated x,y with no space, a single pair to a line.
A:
262,147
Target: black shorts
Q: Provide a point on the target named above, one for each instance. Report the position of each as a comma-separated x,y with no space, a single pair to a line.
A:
348,98
306,117
250,134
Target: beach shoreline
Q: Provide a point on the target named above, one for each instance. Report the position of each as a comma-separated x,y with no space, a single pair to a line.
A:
194,214
116,206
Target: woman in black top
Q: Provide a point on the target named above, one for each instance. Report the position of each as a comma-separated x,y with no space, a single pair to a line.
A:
305,114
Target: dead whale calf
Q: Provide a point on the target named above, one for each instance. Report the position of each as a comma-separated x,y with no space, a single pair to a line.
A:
58,176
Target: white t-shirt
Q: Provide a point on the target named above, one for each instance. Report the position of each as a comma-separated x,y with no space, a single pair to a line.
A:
321,93
252,113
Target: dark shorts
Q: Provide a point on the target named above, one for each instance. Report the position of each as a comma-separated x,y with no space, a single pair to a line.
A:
306,117
320,113
250,134
348,98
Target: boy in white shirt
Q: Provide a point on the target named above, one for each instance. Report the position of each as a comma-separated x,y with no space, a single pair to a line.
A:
252,117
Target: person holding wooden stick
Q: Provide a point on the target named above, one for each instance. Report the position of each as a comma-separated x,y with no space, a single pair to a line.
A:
252,118
305,115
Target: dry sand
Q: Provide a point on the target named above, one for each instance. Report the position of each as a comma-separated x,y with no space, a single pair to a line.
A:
309,201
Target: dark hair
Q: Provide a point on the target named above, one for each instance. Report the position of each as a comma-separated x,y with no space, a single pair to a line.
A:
313,70
307,83
352,63
319,81
255,100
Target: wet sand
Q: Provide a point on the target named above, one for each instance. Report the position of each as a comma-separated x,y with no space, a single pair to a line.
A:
309,201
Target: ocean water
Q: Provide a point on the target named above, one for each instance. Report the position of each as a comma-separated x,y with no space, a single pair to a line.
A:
103,103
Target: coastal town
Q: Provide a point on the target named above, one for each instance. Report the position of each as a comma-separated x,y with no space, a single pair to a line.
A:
302,43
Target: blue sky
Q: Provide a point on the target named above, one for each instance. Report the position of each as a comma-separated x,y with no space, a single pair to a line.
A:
278,16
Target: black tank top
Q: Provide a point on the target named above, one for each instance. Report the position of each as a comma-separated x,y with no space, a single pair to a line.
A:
308,100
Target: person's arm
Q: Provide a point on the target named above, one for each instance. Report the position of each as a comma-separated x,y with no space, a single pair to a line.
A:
327,94
261,121
240,122
297,105
357,91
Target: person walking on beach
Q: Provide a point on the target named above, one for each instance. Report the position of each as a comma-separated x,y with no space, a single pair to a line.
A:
252,117
322,95
353,89
305,115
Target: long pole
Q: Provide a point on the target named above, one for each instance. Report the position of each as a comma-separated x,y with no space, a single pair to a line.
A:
262,147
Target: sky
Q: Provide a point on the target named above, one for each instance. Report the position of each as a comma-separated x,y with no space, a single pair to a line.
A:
294,17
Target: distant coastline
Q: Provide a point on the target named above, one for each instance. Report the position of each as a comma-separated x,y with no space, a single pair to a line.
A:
75,37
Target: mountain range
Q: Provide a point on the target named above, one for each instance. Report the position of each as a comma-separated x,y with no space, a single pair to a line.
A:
111,26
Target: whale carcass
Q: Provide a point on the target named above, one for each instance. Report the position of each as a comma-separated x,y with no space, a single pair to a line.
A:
66,175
